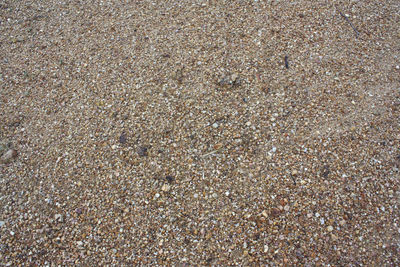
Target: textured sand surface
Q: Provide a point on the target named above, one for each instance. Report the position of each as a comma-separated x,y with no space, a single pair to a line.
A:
200,133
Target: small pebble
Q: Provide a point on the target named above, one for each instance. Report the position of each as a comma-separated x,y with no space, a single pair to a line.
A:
59,218
215,125
330,228
122,138
169,178
9,155
287,208
166,187
142,151
264,213
2,223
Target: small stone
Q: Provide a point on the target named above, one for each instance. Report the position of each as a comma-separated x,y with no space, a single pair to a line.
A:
157,195
122,138
9,155
322,221
166,187
12,233
227,193
215,125
294,172
334,237
342,222
79,243
114,147
248,123
272,119
287,208
59,218
169,178
330,228
217,146
142,151
234,77
2,223
265,214
266,248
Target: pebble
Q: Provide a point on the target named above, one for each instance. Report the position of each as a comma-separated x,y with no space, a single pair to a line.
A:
287,208
266,248
142,151
264,213
330,228
79,243
59,218
122,138
9,155
169,178
215,125
166,187
2,223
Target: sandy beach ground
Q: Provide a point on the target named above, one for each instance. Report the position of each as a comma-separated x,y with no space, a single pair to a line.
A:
200,133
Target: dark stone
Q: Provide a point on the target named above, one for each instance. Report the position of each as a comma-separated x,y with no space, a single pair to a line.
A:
325,171
170,179
122,138
143,151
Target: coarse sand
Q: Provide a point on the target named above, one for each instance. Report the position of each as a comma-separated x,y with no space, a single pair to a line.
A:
200,133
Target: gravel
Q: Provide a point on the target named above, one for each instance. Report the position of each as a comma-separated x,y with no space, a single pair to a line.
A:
199,133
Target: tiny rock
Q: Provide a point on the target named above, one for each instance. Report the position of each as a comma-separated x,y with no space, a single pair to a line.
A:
59,218
265,214
9,155
166,187
287,208
330,228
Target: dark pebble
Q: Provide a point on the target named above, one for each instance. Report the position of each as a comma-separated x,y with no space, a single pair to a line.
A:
142,151
169,178
122,138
